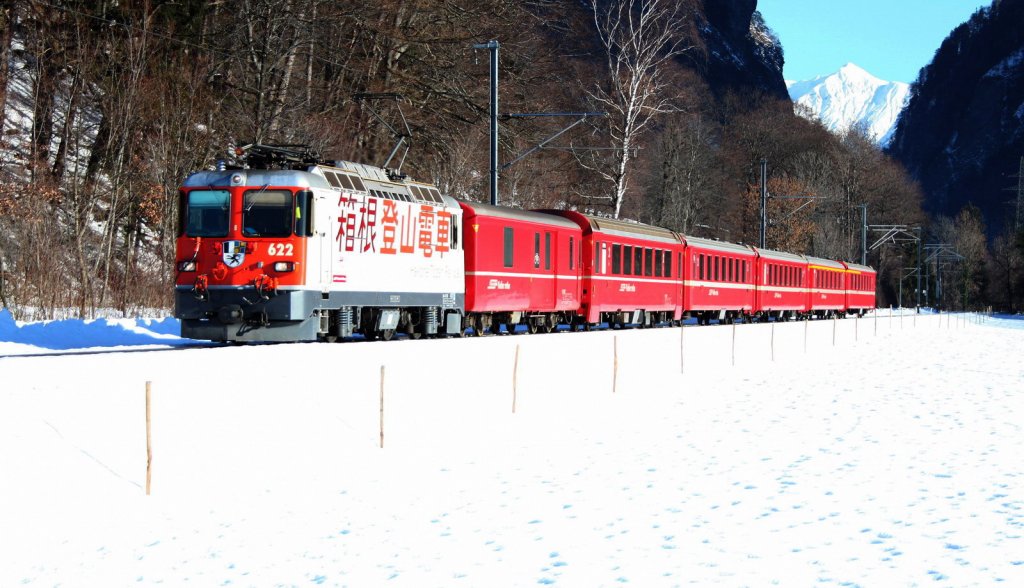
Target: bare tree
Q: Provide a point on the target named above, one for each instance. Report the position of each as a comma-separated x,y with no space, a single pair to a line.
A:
639,39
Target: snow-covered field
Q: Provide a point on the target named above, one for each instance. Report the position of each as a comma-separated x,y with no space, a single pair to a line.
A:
875,452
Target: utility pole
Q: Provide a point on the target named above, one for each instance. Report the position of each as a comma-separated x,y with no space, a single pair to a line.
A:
863,233
493,46
1019,223
764,203
496,168
918,302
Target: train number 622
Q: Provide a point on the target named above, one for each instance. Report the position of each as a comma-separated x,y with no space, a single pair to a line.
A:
280,249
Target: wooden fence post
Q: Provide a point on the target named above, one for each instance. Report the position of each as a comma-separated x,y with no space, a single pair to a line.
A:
515,376
807,322
382,407
734,343
615,363
682,355
149,438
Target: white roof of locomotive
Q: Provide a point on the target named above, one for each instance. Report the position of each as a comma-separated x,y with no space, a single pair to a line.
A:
255,177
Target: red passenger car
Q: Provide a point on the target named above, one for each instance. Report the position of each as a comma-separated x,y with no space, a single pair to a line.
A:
522,267
860,288
719,280
631,271
781,284
827,285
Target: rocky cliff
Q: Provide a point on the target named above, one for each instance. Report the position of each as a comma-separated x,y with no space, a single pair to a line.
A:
962,133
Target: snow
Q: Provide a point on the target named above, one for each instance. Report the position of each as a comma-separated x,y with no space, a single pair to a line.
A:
853,96
880,451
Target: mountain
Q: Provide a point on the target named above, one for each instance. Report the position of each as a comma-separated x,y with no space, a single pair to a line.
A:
962,133
852,96
738,52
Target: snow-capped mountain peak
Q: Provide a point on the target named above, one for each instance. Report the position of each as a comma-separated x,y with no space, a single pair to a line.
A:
852,96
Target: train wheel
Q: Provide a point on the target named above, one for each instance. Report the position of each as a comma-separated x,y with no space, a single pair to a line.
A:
329,338
387,334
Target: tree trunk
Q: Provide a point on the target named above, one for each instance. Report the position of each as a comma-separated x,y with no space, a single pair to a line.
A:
6,34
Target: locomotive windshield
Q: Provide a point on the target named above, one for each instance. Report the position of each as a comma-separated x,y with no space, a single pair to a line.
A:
267,213
207,213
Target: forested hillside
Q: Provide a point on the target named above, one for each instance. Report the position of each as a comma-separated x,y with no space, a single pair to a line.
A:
962,137
107,106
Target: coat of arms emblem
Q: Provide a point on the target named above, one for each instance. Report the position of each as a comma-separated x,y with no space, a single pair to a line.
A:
233,253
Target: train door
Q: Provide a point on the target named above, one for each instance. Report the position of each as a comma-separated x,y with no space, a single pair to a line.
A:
325,230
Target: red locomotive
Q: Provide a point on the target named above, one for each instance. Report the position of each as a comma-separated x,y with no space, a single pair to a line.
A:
289,247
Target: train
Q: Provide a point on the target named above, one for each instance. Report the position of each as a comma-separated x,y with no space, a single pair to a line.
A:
287,246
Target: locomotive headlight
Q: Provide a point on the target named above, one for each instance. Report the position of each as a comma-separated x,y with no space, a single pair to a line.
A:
187,266
284,266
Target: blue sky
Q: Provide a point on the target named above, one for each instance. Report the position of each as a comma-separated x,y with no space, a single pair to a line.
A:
891,39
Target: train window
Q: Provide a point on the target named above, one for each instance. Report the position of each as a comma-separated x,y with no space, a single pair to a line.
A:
668,263
648,261
357,183
638,261
732,270
304,214
547,251
455,235
627,260
267,213
572,253
332,179
436,194
207,213
616,258
182,211
509,238
700,270
417,194
536,250
658,259
771,274
345,181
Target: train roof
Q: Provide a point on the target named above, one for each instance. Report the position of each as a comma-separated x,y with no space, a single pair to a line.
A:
859,268
255,177
517,214
378,182
828,263
622,228
780,255
719,245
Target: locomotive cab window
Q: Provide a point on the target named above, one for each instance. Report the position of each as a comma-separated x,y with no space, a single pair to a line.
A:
304,214
267,213
207,213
